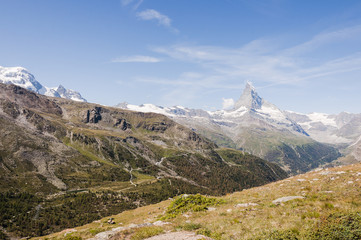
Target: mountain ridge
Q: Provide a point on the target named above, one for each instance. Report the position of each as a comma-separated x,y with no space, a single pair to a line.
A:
255,126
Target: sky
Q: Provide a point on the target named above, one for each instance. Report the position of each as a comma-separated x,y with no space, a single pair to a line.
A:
303,56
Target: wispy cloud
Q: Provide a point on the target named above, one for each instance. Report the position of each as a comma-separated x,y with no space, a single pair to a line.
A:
136,58
134,3
151,14
219,70
266,64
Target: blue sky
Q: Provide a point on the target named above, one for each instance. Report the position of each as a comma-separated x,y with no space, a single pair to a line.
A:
303,56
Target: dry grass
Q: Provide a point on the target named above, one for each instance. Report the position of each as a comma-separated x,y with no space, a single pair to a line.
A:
325,191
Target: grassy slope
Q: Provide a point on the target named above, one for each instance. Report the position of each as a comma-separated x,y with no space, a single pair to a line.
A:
326,192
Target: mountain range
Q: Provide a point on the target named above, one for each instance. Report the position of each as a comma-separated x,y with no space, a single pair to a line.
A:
21,77
52,148
297,142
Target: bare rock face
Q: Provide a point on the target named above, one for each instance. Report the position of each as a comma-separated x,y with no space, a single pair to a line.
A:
122,124
93,115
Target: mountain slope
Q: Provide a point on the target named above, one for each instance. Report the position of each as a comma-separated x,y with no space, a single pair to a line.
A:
255,126
323,204
52,148
23,78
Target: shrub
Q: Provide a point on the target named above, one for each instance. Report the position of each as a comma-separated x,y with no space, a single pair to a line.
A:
195,203
208,233
190,226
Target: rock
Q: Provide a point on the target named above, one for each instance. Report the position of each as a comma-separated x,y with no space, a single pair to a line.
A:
246,205
93,115
68,231
122,124
160,223
211,209
286,199
301,180
111,221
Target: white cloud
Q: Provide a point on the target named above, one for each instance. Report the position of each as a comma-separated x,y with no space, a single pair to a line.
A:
227,103
151,14
136,58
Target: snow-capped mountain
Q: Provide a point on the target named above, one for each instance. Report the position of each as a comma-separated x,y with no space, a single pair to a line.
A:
249,105
254,125
21,77
341,129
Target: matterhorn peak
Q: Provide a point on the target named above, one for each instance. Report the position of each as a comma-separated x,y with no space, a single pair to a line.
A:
249,98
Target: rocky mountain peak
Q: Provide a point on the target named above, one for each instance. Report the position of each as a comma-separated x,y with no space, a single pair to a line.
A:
22,77
19,76
249,98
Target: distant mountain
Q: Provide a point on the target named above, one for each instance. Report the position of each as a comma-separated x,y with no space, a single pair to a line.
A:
255,126
21,77
340,129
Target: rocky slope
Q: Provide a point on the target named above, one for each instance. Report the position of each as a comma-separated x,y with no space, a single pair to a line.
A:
255,126
21,77
323,204
52,148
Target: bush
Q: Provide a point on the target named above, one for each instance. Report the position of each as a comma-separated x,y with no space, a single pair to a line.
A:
190,226
195,203
208,233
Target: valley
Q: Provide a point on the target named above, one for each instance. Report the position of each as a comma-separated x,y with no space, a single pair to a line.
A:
321,204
